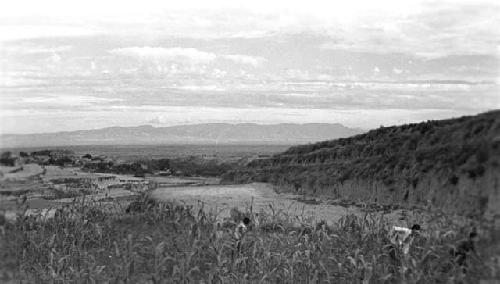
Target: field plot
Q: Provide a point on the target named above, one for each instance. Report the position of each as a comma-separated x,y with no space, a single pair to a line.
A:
162,181
137,152
171,243
262,197
20,173
47,187
74,222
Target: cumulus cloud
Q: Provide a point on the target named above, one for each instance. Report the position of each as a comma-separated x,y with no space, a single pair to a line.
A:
187,55
35,49
199,88
21,32
429,32
405,55
67,100
192,55
254,61
397,70
156,120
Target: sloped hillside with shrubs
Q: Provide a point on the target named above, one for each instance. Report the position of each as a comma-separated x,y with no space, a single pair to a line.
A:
449,164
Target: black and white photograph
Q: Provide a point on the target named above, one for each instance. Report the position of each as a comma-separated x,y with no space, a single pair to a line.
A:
231,141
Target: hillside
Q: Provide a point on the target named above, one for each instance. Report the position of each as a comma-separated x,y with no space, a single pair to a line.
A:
210,133
448,164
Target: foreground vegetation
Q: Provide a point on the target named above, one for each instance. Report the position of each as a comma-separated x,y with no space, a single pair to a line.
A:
155,243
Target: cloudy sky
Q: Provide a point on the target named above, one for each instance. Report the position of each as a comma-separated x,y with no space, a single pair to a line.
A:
67,65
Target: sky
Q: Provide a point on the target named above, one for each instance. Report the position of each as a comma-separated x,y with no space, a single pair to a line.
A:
71,65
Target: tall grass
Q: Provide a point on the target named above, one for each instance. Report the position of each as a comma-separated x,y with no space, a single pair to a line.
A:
167,242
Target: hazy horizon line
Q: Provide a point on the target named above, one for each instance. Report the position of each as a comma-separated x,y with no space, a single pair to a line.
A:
159,125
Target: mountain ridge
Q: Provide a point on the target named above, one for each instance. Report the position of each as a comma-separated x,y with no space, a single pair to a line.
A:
206,133
451,165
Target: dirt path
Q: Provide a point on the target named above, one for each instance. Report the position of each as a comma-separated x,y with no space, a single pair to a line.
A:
221,198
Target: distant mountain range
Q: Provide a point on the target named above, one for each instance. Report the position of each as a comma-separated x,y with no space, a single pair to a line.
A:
210,133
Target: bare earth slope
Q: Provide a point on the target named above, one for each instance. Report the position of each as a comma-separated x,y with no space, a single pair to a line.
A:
450,164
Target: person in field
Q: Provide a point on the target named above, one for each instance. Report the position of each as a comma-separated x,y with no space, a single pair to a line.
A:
403,237
241,229
239,233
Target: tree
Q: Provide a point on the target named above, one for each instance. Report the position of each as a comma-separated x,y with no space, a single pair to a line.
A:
7,159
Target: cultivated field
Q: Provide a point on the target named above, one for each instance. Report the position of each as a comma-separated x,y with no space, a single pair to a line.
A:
258,196
138,152
62,224
169,242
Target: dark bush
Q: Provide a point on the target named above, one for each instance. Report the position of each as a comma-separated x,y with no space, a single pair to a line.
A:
7,159
453,179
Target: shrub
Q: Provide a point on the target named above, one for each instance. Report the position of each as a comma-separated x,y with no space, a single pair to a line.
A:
7,159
